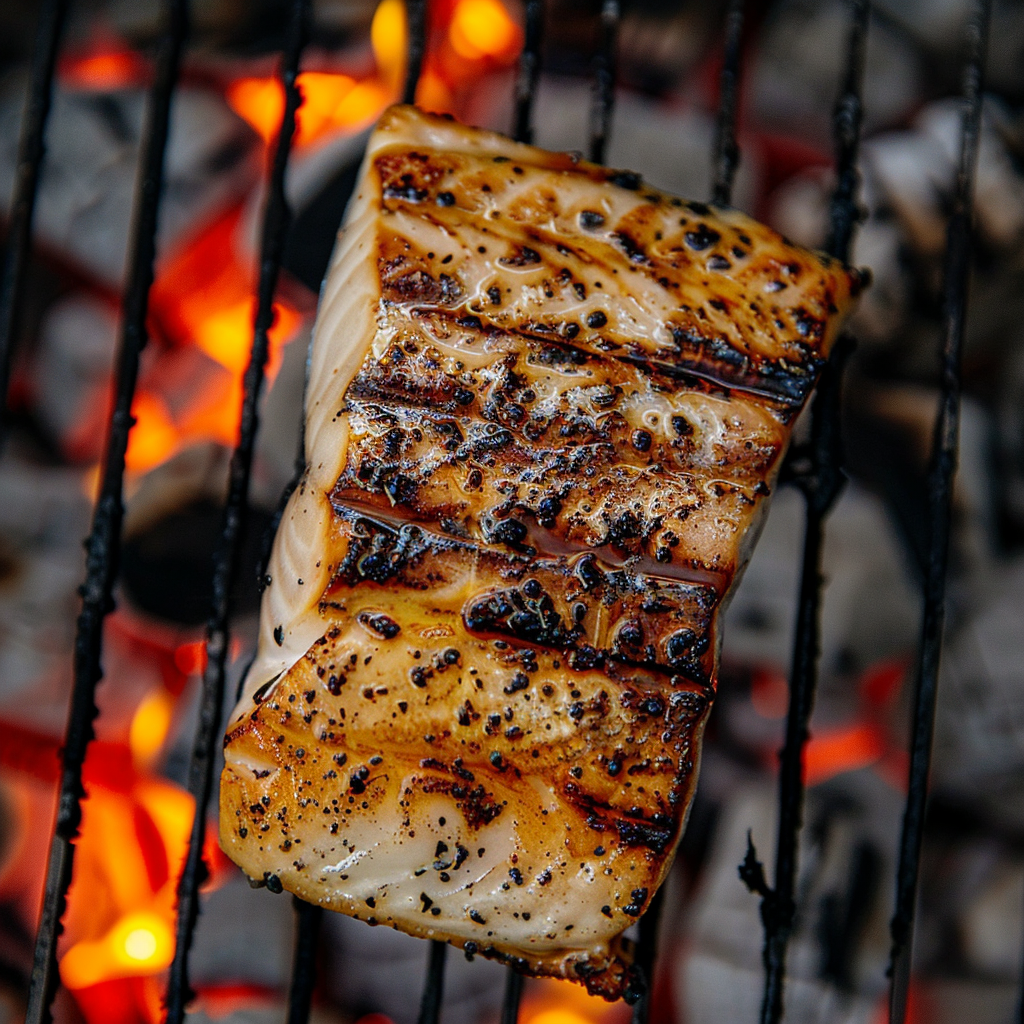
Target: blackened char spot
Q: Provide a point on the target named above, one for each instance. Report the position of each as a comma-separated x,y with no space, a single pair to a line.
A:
508,531
478,807
701,238
626,179
654,833
380,624
522,256
631,247
408,192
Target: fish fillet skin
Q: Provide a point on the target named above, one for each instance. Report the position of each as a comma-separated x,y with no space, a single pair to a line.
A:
546,409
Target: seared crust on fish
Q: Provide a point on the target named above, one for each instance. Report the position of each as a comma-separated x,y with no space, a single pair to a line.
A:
547,407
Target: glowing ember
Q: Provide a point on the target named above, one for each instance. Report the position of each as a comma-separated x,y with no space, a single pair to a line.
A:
138,943
105,66
830,752
561,1002
482,28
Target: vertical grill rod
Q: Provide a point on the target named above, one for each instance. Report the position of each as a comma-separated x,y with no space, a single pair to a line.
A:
820,483
31,150
646,953
308,917
433,990
416,17
529,72
103,545
603,99
727,152
512,996
275,228
940,488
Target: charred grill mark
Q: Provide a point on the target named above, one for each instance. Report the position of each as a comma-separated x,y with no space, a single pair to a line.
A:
405,280
633,828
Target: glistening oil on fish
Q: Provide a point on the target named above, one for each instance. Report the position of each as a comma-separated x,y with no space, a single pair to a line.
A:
546,411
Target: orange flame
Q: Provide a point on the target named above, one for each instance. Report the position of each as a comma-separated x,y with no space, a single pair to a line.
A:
388,38
330,103
203,296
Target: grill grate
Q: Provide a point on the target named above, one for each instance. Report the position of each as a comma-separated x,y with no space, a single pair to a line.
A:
816,470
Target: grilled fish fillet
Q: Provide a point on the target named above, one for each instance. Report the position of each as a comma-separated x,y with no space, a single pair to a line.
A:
546,409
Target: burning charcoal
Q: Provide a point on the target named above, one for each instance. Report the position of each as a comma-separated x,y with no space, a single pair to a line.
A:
916,173
44,514
720,976
223,953
870,612
1009,482
999,190
88,179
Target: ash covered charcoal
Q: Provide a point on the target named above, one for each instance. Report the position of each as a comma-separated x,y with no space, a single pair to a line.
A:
795,76
839,952
88,179
979,752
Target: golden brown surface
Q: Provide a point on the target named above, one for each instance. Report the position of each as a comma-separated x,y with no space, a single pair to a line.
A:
547,407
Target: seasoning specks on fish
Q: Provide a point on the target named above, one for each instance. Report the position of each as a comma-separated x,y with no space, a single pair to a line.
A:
547,407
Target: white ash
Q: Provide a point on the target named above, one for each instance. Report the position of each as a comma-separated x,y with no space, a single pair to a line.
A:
979,745
720,977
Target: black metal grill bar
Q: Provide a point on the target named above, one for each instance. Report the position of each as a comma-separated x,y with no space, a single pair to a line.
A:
603,100
940,491
433,989
31,150
820,480
308,918
104,541
727,152
416,26
528,72
646,955
275,228
512,996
